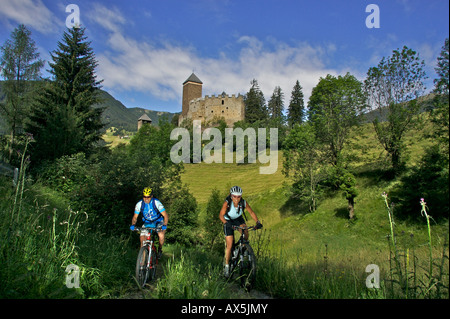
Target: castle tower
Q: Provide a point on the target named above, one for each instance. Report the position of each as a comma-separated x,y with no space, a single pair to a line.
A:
192,89
144,119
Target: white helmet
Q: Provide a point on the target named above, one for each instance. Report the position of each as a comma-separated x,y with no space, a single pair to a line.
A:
236,190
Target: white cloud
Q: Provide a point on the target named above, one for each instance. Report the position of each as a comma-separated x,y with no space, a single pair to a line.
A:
30,13
109,18
160,69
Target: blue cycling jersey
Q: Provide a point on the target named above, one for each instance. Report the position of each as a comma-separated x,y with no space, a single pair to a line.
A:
150,215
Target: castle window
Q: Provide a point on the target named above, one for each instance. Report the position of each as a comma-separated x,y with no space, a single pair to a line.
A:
222,102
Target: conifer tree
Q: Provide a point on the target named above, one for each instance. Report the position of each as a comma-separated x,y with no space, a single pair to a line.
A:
296,109
276,104
255,104
63,120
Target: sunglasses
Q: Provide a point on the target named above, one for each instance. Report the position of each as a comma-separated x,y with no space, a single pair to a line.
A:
147,196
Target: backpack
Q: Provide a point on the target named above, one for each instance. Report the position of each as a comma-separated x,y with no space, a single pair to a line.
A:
241,205
155,209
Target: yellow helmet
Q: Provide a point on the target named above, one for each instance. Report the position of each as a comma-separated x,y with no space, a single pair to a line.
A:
147,191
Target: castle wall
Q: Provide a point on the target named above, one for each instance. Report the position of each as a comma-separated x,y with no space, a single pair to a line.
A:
231,108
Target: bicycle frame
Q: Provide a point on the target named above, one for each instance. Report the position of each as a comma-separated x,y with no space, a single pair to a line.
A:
242,258
150,244
142,274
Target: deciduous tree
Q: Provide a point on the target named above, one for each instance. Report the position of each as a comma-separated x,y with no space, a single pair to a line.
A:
393,88
20,68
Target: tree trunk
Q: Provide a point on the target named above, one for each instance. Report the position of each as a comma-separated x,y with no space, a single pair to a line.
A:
351,208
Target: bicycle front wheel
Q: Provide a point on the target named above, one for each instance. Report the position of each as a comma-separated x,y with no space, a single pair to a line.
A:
247,268
142,270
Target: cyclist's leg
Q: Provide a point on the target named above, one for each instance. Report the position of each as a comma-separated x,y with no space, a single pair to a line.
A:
161,234
143,236
229,244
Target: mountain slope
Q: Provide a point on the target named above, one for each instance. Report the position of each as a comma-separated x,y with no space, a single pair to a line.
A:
121,117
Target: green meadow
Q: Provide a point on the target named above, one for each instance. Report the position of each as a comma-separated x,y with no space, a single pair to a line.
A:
323,254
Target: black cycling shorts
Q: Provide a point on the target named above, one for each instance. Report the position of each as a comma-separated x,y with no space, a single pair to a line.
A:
227,228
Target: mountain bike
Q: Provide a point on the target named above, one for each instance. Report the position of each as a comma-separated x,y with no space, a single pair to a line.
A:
243,260
147,259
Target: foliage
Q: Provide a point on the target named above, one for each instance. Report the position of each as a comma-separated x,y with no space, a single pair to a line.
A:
276,105
304,160
63,120
211,226
394,85
296,109
255,104
342,179
334,107
429,179
183,214
440,114
20,66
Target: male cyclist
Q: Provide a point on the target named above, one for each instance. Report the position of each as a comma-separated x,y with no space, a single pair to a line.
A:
231,215
153,215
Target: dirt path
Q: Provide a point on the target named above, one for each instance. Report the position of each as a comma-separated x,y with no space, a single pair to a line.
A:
145,293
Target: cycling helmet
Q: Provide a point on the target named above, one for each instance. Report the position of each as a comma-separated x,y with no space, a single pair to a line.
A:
236,190
147,191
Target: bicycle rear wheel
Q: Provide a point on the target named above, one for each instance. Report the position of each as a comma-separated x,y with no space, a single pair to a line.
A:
247,268
142,271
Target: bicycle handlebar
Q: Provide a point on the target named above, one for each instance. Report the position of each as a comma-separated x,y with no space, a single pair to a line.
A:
136,229
244,228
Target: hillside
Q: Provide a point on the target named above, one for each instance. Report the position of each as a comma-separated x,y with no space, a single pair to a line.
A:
115,114
118,115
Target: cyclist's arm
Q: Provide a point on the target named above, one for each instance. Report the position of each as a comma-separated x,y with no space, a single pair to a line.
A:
251,212
135,217
162,211
222,212
166,217
137,210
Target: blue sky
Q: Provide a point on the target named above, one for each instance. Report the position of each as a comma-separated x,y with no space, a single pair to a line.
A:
146,49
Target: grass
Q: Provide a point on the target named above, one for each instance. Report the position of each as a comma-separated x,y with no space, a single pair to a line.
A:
202,178
47,237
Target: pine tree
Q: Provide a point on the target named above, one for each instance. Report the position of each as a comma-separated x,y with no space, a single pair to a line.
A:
276,104
296,110
63,120
255,104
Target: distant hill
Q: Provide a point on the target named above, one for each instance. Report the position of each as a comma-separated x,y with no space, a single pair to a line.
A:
115,114
121,117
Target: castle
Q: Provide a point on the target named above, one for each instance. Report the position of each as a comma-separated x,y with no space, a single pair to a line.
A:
196,107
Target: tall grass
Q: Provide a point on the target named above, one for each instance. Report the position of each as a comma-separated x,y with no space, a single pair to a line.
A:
406,270
415,273
191,274
41,235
